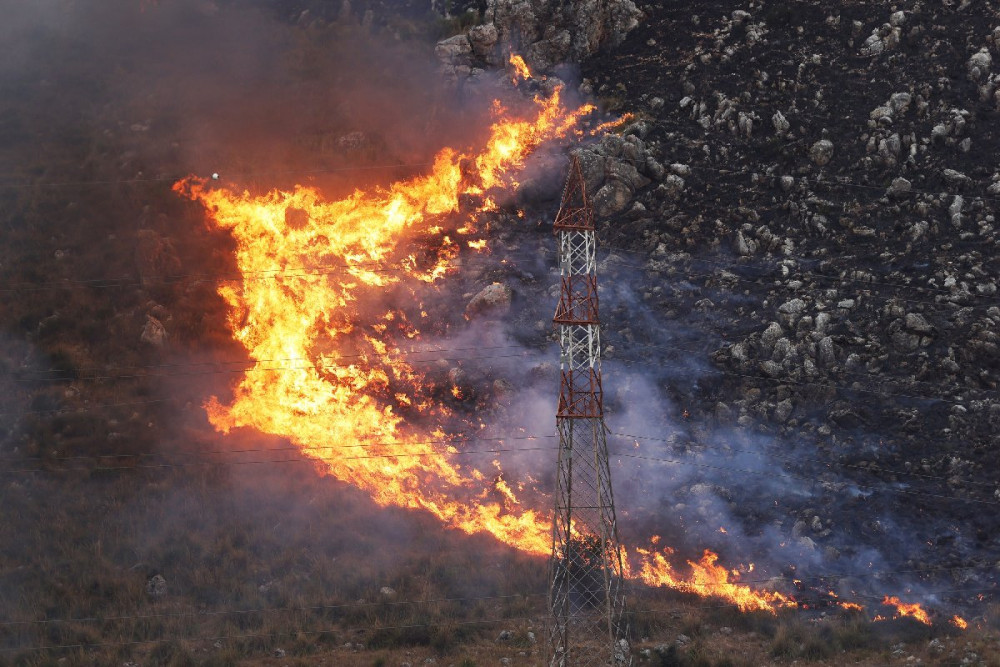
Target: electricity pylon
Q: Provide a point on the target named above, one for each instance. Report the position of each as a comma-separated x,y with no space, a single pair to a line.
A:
586,571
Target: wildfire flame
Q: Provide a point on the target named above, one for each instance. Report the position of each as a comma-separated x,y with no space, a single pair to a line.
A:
346,378
331,375
959,622
906,609
707,579
520,67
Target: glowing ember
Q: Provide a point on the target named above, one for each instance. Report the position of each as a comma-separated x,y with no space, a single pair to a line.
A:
904,609
707,579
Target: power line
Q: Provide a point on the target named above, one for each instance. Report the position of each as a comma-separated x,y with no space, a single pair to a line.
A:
841,182
807,290
709,466
464,440
311,461
272,635
380,267
257,368
245,174
310,449
376,628
620,455
822,385
271,610
85,409
105,369
526,352
828,464
815,274
515,596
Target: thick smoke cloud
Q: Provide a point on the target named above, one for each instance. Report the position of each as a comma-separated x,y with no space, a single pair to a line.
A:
199,86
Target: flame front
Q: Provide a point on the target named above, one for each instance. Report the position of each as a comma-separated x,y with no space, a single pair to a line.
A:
328,368
327,374
520,67
907,609
707,579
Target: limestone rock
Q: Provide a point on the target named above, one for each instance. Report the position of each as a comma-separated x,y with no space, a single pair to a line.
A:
792,307
613,197
482,40
544,54
900,187
592,167
491,301
917,323
979,64
821,152
781,124
454,50
156,587
674,185
153,333
745,246
771,336
626,173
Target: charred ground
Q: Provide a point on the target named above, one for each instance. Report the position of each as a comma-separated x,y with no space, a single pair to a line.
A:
897,385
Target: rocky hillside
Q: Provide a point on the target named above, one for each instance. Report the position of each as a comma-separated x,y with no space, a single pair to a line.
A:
829,195
804,207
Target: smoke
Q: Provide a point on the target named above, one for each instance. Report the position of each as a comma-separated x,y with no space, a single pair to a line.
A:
206,87
192,86
697,483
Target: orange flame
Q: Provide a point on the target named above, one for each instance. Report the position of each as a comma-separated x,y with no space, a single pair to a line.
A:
707,579
338,384
959,622
521,69
905,609
344,378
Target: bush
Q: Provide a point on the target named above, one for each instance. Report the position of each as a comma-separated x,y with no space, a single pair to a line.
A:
669,658
786,642
171,654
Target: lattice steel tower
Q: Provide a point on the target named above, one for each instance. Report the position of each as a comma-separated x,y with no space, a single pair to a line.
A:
585,579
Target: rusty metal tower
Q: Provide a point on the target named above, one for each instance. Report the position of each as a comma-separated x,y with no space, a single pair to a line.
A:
586,571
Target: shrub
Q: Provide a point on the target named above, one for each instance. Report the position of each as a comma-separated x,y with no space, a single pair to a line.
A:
786,642
171,654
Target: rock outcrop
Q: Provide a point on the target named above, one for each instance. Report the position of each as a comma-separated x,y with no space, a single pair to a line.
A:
546,34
